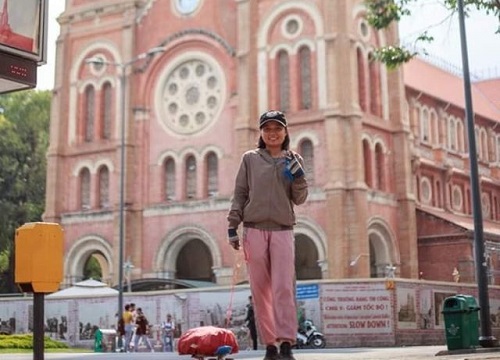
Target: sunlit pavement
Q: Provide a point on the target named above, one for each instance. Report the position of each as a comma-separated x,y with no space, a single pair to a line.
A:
400,353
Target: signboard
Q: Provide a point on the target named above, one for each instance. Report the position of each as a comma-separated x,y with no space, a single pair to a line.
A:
16,73
356,309
23,29
307,292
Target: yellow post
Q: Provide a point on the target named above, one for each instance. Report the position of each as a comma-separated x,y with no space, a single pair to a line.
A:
39,249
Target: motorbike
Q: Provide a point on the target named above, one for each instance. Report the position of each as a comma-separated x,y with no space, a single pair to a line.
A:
309,336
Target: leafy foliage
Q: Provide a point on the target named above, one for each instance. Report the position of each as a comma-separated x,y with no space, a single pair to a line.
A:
24,138
382,13
92,269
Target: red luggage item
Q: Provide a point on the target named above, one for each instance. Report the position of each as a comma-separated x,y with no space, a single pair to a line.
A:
206,340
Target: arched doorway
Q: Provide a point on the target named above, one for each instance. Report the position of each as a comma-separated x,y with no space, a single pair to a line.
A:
89,251
194,262
306,259
380,242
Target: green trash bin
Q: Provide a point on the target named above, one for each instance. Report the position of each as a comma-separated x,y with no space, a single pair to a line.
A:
105,340
473,318
461,322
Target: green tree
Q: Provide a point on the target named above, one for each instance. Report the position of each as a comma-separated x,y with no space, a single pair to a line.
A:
24,138
381,14
92,269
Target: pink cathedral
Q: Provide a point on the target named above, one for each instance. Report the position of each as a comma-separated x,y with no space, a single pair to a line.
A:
386,151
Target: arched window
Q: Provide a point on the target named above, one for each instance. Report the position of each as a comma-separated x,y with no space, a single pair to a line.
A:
452,134
190,177
305,78
212,174
361,81
375,90
437,200
284,81
85,189
460,135
425,126
367,159
380,169
306,150
106,112
169,179
103,187
89,113
485,156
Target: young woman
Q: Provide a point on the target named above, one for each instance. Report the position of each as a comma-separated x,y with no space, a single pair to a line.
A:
270,181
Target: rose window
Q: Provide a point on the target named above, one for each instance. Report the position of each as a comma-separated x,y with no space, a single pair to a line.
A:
192,96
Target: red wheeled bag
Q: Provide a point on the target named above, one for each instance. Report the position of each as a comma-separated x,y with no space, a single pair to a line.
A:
207,341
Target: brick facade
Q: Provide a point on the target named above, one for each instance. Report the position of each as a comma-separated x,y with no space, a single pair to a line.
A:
224,63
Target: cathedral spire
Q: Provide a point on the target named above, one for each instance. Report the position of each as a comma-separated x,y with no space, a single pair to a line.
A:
4,17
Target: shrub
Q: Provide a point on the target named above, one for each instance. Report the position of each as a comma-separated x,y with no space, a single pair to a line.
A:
25,341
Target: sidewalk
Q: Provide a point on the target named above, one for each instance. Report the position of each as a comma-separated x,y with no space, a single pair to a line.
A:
401,353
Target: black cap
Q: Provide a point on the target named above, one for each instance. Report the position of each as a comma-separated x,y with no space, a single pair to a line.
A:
272,115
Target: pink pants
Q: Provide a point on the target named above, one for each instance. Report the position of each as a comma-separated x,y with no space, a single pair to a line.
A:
270,258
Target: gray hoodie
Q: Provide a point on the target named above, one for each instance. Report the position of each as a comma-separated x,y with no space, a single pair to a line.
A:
263,196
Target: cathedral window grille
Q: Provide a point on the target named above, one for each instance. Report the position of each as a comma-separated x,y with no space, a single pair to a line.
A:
89,113
437,199
486,205
379,164
103,187
367,154
212,174
478,141
169,177
361,81
375,89
425,133
190,177
495,215
452,135
498,148
305,78
307,151
106,113
484,145
85,189
284,81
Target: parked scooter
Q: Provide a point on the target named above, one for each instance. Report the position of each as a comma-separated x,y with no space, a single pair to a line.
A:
309,336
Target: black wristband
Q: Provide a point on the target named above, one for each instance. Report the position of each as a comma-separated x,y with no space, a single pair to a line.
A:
231,232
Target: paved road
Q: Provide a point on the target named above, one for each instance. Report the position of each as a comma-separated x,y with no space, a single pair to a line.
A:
405,353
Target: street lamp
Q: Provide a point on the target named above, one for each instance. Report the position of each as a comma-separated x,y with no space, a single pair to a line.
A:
486,339
123,79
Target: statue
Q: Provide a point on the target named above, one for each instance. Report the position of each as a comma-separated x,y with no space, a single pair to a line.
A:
456,275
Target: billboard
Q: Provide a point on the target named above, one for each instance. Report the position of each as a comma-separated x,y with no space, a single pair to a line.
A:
23,29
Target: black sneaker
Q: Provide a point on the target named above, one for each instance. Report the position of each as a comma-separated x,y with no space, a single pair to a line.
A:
286,351
271,353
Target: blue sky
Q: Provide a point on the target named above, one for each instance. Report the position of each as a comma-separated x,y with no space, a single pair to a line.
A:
482,42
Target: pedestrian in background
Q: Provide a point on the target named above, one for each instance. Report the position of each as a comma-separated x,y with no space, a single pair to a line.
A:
250,322
128,324
167,328
142,331
269,182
